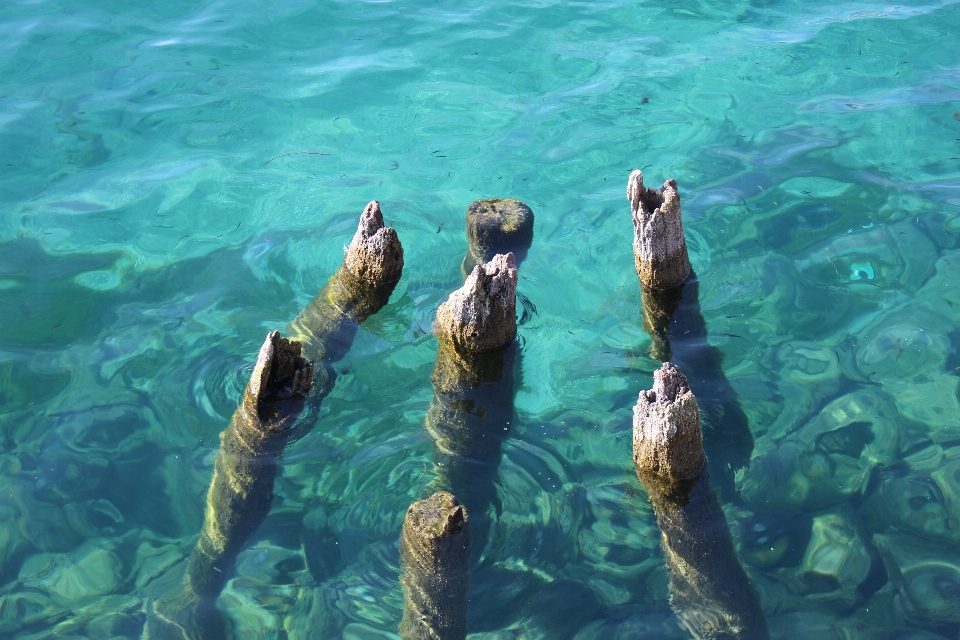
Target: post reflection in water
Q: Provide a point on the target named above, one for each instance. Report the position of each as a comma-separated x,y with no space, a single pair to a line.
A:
241,490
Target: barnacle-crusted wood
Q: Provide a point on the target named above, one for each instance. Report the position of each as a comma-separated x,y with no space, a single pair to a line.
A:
659,246
241,490
497,226
709,590
483,313
667,443
435,559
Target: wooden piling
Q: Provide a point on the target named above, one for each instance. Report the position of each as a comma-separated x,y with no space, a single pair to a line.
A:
245,467
678,332
709,590
435,560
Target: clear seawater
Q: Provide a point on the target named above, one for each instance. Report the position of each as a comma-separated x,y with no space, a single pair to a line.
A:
179,178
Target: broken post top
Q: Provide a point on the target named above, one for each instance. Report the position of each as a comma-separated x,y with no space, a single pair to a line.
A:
375,254
667,442
482,314
438,516
497,226
659,247
281,379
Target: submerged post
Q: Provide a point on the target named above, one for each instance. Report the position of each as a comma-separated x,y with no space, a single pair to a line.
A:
469,417
473,385
497,226
435,560
678,332
361,287
709,590
241,490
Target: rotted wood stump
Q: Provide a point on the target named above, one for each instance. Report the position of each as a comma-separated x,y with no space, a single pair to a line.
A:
287,371
678,332
709,590
435,560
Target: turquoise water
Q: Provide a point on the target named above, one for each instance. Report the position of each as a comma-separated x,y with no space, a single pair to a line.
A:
179,178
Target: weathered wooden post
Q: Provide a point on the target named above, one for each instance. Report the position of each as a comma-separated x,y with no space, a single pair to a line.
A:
241,490
659,246
497,226
709,590
678,332
435,559
471,412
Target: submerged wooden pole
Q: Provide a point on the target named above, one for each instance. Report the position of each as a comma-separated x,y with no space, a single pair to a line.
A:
361,287
469,419
675,323
495,226
709,590
241,490
435,560
473,386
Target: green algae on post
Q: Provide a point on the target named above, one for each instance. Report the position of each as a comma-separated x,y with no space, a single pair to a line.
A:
241,490
435,560
709,590
360,288
497,226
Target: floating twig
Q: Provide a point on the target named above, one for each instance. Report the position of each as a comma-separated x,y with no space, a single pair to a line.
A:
295,153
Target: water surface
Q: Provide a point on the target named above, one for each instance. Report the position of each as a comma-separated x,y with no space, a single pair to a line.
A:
179,178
